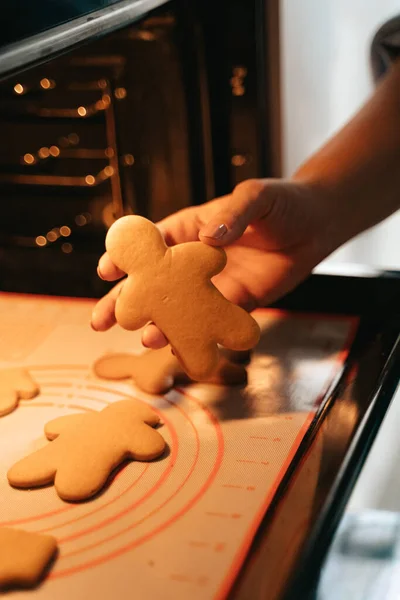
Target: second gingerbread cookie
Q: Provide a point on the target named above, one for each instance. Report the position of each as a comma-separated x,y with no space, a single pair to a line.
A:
87,447
156,371
172,287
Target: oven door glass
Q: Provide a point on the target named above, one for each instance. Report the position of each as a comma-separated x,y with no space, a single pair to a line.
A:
95,134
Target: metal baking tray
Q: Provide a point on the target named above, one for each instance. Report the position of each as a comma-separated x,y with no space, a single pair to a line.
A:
285,561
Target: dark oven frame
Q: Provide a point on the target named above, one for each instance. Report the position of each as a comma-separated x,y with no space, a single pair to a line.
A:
364,392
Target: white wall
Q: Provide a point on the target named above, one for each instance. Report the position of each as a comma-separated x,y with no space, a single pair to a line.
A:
326,77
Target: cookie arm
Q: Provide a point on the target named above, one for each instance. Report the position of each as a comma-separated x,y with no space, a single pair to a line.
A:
15,384
144,443
131,309
56,427
199,258
34,470
8,401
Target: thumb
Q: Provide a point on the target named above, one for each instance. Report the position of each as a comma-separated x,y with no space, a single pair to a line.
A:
249,201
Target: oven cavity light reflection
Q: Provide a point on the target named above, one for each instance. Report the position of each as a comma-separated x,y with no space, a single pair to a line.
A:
47,84
146,35
44,152
67,248
120,93
65,231
19,88
29,159
89,179
82,111
51,236
80,220
238,90
239,72
238,160
40,240
128,160
100,105
54,151
108,171
73,138
109,152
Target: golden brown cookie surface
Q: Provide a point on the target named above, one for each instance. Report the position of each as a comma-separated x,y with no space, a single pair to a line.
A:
24,556
156,371
15,384
87,447
172,287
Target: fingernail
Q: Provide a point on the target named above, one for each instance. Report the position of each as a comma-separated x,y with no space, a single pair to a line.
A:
214,232
99,273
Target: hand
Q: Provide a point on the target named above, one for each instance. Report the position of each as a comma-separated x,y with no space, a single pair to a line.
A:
273,234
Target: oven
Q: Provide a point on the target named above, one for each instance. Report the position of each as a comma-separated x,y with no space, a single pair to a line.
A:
138,107
112,107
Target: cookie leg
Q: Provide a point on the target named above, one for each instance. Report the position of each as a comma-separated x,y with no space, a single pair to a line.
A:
239,331
86,470
76,484
157,378
199,359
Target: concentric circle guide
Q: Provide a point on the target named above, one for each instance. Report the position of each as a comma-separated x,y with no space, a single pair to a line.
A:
182,524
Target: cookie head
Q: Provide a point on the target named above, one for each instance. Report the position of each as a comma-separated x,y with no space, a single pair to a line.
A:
135,244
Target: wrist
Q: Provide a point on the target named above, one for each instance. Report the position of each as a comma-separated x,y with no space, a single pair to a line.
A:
334,219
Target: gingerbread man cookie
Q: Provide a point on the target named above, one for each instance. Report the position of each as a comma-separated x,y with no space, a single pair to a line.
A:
156,371
15,384
87,447
172,287
24,556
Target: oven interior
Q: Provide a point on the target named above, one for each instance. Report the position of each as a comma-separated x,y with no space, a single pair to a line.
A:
165,113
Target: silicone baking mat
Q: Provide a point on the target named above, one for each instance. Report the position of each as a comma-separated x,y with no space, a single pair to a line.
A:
178,527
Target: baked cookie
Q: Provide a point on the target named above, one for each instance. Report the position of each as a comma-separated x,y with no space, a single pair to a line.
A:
24,556
15,384
156,371
172,287
87,447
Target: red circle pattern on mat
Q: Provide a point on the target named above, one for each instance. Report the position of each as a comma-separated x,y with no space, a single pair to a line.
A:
76,372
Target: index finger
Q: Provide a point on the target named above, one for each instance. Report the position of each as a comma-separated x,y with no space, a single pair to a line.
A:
107,270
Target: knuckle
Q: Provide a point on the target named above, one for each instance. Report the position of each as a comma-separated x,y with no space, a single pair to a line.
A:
251,187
